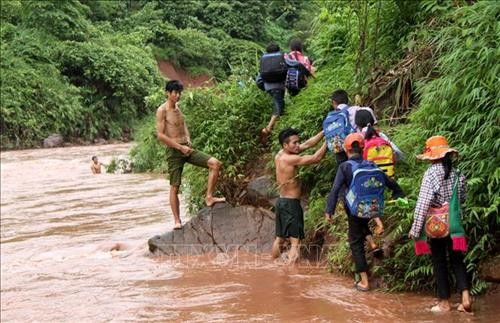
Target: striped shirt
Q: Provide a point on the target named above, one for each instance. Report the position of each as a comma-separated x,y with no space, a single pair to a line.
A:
435,191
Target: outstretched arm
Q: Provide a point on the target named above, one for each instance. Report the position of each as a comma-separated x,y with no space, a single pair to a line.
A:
308,159
311,142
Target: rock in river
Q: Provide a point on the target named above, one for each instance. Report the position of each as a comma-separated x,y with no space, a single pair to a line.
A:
54,140
221,228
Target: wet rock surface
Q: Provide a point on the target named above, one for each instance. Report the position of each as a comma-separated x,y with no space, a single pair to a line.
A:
54,140
262,191
221,228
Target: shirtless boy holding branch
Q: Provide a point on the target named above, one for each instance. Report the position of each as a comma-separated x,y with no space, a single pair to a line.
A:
171,130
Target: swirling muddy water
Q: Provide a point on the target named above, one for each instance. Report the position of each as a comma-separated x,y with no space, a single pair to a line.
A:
74,249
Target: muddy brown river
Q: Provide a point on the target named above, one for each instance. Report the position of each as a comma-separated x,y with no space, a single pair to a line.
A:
74,249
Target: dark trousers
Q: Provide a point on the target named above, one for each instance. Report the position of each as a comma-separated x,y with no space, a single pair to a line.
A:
278,101
440,248
358,230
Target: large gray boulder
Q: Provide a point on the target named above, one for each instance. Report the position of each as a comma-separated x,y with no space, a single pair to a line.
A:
222,228
262,191
54,140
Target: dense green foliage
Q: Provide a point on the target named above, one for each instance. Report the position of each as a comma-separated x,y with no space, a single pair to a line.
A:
82,68
61,73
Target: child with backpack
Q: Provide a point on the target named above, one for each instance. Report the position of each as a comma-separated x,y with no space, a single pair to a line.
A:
378,149
365,124
337,125
361,184
273,70
299,68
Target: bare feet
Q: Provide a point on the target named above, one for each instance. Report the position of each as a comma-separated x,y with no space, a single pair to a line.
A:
178,226
210,201
360,287
466,305
264,134
442,306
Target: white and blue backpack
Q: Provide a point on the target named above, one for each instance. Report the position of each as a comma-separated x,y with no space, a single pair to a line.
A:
336,127
365,197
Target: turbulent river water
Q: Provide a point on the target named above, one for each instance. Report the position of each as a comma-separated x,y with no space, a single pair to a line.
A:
74,249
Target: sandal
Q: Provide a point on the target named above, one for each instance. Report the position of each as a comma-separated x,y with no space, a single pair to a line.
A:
178,226
360,288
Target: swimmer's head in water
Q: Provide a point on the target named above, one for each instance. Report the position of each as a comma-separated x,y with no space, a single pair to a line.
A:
94,159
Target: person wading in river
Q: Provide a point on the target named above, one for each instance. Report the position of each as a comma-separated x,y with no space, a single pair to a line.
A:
171,130
95,167
289,215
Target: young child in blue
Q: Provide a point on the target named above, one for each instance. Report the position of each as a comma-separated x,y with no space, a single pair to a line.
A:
358,227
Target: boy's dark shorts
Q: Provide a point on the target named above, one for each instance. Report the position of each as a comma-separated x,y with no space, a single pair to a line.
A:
176,161
289,218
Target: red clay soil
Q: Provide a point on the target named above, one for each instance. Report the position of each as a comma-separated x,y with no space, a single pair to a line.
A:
168,70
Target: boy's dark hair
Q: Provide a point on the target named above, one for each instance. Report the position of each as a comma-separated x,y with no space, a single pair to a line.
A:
272,48
355,148
340,96
296,45
174,85
285,134
94,157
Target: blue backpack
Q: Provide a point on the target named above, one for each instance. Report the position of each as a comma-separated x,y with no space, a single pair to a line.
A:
336,127
365,197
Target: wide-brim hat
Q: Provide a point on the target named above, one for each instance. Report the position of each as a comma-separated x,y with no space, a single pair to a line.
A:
436,147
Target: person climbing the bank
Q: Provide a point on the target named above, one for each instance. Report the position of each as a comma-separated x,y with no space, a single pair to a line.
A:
438,218
378,149
171,130
273,70
297,55
289,214
340,122
361,185
366,124
300,68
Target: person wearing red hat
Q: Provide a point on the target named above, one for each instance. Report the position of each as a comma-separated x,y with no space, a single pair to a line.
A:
358,227
441,181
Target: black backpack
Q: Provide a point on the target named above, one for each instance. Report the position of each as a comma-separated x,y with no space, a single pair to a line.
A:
273,67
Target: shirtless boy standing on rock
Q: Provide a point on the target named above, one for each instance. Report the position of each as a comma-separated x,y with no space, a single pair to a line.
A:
289,215
171,130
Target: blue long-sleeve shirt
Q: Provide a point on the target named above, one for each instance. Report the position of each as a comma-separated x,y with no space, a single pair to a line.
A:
342,181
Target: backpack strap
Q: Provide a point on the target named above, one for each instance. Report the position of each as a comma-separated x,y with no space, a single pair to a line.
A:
353,164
